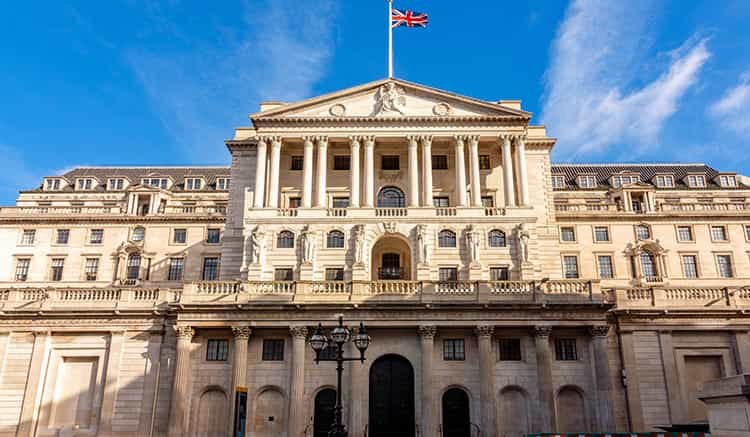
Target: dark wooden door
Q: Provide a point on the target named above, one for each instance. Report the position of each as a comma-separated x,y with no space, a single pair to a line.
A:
391,397
325,402
456,420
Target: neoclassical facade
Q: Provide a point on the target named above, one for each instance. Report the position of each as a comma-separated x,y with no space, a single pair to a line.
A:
504,294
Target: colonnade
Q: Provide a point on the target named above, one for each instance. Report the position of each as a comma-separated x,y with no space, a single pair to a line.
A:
516,186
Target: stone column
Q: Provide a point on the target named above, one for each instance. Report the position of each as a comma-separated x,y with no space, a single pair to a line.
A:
428,425
354,197
260,174
427,170
297,382
239,368
111,383
546,410
460,171
523,178
369,171
487,399
273,182
32,394
509,188
602,376
322,201
476,189
180,399
307,173
413,172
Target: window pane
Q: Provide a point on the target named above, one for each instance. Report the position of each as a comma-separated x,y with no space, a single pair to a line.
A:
642,232
391,197
484,162
285,240
217,350
747,232
601,233
567,234
718,233
496,238
297,162
440,202
570,266
22,269
295,202
28,236
341,162
648,265
448,274
447,239
335,239
454,349
63,235
138,234
283,274
689,266
176,268
92,268
340,202
558,182
439,162
565,349
213,236
210,269
389,162
499,274
725,265
334,274
180,236
273,350
97,235
510,349
134,266
57,268
488,202
685,233
605,267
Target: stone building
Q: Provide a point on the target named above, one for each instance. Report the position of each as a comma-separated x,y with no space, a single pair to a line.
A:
503,294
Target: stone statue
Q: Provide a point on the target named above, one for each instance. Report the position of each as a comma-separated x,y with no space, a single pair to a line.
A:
257,244
390,98
473,241
359,244
422,249
308,245
523,242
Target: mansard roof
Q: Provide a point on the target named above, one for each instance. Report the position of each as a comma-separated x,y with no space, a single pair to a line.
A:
647,172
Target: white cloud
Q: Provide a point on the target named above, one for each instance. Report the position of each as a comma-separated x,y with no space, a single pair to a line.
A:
204,91
733,109
601,88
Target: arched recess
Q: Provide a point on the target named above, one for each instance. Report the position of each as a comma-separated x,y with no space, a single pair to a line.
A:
514,412
391,197
212,413
268,418
571,410
391,397
456,417
391,258
323,416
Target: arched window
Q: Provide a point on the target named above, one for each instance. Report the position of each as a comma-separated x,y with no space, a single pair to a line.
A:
648,265
134,266
139,232
496,238
391,197
285,240
446,238
335,239
642,232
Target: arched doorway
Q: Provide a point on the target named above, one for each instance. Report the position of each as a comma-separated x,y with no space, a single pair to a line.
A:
391,197
456,419
391,397
325,402
391,259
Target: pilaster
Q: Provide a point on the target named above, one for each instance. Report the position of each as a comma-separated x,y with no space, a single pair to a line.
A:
180,399
546,411
33,392
429,410
111,385
488,402
239,368
602,376
297,382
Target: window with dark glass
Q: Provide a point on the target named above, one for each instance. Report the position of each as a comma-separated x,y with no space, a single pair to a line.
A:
605,266
389,162
446,238
138,234
570,266
642,232
448,274
22,269
724,263
341,162
510,349
484,162
63,235
391,197
176,269
340,202
283,274
565,349
488,201
689,266
285,240
684,233
648,264
440,202
28,236
91,268
297,162
567,233
179,236
499,274
57,268
96,236
335,239
213,235
273,349
210,268
217,349
334,274
747,233
295,202
601,233
496,238
134,266
719,233
454,349
440,162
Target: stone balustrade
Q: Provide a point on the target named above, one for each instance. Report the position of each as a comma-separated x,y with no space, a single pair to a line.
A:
12,211
718,206
84,299
667,298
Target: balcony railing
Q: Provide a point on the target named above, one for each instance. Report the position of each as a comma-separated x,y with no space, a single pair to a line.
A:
390,273
391,212
726,206
59,210
85,299
694,298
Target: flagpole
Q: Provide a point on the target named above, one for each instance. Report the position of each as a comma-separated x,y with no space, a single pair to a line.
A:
390,40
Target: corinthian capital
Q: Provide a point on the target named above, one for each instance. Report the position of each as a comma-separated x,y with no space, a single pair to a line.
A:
412,139
427,331
354,140
542,331
599,330
184,332
484,331
426,140
298,331
241,332
322,140
275,141
460,139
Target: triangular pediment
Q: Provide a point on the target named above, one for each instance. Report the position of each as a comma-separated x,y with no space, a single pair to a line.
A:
389,98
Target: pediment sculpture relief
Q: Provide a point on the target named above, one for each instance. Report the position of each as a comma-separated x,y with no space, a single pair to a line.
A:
390,99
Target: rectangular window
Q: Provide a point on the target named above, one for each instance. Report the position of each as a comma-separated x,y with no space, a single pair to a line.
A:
84,184
718,233
115,184
283,274
295,202
684,233
689,266
340,202
63,235
335,274
53,184
389,162
664,181
747,233
510,349
341,162
448,274
587,181
488,202
156,182
565,349
96,236
696,181
499,274
22,269
558,181
484,162
213,235
217,349
727,181
298,163
454,349
193,184
179,236
724,263
176,269
440,162
91,269
28,236
440,202
57,269
601,233
570,266
210,269
567,233
273,349
605,266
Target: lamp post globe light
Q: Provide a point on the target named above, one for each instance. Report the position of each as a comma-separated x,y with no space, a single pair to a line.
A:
339,336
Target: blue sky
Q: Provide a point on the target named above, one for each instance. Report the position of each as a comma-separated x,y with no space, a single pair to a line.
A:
163,83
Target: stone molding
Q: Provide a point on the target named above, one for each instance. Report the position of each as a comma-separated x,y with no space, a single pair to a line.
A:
298,331
542,331
484,331
241,332
427,331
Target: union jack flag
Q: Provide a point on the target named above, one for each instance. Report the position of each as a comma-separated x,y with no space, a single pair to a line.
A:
408,18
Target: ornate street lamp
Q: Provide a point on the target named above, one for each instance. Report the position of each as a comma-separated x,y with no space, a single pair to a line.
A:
340,335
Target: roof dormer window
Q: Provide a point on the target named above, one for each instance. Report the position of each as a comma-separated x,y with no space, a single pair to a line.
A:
155,182
664,181
587,181
193,183
558,181
622,180
696,181
222,183
52,184
727,181
115,184
84,184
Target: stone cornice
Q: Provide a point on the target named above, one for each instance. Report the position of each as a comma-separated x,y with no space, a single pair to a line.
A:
111,219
